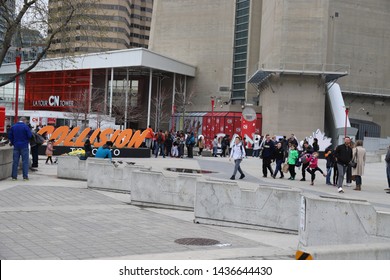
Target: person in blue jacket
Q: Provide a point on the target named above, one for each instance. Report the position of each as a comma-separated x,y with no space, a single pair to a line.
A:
104,151
19,136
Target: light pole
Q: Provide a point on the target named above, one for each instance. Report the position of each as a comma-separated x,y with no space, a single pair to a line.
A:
346,120
212,112
17,62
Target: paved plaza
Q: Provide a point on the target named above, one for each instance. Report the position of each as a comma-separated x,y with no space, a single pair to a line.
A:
51,218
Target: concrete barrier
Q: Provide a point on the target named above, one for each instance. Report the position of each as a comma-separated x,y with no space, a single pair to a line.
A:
105,175
71,167
264,207
372,251
156,189
6,159
327,221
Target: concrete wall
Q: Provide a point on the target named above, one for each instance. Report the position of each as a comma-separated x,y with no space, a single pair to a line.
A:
359,36
293,104
335,221
6,159
225,203
199,32
294,32
103,174
149,188
71,167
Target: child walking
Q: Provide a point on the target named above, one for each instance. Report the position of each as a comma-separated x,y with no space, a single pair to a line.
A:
313,167
292,160
49,152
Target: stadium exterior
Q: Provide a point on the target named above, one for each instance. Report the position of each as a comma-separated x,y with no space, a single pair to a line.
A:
279,58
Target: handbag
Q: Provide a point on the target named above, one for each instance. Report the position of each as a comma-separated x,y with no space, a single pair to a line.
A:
353,162
285,167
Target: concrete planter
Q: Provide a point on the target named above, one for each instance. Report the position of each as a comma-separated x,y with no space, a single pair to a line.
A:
6,158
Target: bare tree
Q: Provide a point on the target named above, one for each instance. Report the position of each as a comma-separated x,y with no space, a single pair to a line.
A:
64,16
126,113
162,112
84,106
183,98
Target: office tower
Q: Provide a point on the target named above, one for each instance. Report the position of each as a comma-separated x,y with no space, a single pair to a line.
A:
116,24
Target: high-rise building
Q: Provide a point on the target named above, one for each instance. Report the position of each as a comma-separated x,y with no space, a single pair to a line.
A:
116,24
7,10
280,56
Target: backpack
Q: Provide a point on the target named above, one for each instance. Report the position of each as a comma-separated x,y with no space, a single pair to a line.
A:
38,139
304,158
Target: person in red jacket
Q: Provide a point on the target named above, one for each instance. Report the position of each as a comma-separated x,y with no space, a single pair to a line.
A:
313,167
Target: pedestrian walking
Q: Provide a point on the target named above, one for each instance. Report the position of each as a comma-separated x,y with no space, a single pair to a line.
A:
268,155
49,151
292,160
343,156
329,156
359,155
387,159
215,146
149,137
200,145
237,153
19,136
279,158
313,167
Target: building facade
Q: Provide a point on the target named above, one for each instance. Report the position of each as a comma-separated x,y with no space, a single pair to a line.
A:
280,56
7,10
116,24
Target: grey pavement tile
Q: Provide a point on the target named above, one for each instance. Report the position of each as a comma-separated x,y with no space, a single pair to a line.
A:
86,231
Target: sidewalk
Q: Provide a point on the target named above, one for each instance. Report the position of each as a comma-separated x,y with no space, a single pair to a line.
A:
51,218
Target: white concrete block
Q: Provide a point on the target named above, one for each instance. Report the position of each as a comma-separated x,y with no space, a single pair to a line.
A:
71,167
149,188
103,174
6,159
225,203
334,220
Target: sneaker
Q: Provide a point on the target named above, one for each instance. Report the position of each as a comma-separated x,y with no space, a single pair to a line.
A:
25,179
348,185
340,190
242,176
232,178
14,179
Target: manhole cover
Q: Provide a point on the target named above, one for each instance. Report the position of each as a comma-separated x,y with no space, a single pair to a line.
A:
188,170
197,241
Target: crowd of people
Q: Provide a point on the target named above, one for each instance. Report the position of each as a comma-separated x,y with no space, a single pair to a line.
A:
279,156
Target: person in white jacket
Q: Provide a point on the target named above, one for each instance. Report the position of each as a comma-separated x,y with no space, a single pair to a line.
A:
237,153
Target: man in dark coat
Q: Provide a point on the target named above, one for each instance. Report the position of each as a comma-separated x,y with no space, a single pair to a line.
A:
268,155
343,156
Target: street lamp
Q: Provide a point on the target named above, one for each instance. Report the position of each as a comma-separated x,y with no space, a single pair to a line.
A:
17,62
346,120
